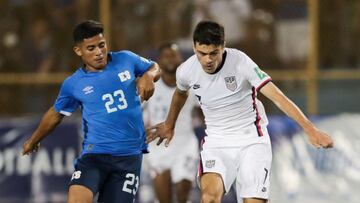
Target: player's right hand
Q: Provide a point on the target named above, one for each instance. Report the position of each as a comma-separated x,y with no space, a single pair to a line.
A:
161,131
30,147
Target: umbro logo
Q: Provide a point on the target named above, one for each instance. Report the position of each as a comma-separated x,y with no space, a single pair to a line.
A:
196,86
88,89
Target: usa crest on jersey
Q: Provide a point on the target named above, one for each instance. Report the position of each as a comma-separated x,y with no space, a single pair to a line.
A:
231,83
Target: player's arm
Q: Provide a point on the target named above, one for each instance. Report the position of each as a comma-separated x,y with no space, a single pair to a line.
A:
145,84
47,124
316,136
165,130
177,103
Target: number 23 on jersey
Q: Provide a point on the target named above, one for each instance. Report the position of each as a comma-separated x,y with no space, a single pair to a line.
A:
115,101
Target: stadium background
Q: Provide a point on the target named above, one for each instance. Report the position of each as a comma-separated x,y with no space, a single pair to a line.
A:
310,48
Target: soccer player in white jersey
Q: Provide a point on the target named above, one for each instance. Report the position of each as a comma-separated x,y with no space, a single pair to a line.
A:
237,146
177,163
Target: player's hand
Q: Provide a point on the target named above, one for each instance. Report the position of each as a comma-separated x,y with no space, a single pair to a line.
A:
319,138
30,147
145,87
161,131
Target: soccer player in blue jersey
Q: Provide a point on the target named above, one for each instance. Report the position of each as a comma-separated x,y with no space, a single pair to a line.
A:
108,89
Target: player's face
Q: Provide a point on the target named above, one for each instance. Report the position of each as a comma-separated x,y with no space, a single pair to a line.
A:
169,60
93,52
209,56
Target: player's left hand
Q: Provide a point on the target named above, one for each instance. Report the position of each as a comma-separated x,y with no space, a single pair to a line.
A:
30,147
161,131
319,138
145,87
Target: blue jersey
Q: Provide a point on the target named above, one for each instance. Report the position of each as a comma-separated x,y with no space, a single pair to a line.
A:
110,105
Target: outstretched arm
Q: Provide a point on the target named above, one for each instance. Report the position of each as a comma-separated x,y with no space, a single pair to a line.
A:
165,130
316,136
145,84
48,123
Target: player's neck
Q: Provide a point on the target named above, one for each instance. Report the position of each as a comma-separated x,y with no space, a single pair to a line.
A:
88,68
221,63
169,79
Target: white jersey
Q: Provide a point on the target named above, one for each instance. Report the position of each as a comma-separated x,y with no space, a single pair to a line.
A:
155,111
227,97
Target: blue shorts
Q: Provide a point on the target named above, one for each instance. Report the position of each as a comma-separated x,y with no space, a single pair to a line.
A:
115,178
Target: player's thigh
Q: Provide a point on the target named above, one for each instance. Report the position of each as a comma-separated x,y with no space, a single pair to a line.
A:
212,187
254,200
123,182
253,178
79,193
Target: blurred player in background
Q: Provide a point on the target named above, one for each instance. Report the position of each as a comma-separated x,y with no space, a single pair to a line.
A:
237,147
106,91
177,163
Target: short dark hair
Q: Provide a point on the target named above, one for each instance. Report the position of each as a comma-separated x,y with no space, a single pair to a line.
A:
209,32
87,29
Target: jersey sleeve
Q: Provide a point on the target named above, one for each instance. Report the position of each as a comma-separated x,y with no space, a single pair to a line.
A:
256,77
65,103
181,81
141,64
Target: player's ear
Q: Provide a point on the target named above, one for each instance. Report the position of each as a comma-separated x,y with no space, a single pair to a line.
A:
77,50
194,45
223,47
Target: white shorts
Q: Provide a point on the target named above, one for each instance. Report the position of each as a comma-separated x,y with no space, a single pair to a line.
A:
248,166
181,162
